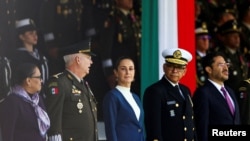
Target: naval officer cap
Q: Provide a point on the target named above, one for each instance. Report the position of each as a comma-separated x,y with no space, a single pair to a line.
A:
177,56
79,47
24,25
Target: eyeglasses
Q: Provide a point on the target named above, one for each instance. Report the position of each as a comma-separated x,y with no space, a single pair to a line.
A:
38,77
224,65
204,37
178,68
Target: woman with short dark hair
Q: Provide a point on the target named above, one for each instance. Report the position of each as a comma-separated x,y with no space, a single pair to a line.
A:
23,116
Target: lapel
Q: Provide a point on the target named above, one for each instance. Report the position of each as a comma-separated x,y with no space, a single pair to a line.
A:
217,95
141,110
171,90
129,107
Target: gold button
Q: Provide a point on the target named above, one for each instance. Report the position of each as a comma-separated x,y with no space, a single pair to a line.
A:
185,139
183,117
185,128
176,105
193,129
192,117
155,140
71,139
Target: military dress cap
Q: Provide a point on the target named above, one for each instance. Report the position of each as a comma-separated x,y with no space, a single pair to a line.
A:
80,47
229,27
24,25
201,28
177,56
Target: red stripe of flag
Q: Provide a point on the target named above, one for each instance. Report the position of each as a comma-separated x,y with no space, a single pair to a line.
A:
186,26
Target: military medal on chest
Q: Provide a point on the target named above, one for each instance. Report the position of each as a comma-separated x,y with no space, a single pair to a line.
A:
79,106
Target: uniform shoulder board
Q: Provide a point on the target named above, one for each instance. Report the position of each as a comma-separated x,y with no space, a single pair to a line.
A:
248,81
57,75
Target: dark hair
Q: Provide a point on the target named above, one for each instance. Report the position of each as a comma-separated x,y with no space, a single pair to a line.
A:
208,60
23,71
118,61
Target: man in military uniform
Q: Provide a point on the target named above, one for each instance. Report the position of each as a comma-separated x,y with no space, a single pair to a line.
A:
121,36
167,103
70,102
244,21
69,20
202,46
238,70
243,95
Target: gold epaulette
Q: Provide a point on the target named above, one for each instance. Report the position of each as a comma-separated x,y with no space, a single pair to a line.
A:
248,81
57,75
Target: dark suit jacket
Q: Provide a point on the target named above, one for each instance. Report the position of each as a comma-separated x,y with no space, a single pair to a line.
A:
18,120
121,123
210,108
167,113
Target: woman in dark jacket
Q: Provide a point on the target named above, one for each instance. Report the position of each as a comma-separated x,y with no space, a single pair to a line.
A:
23,116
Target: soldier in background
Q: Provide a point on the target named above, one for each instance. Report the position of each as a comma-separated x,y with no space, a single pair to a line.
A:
69,21
244,22
243,95
121,35
202,39
26,52
231,49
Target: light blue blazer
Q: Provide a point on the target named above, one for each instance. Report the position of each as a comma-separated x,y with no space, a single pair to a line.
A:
120,120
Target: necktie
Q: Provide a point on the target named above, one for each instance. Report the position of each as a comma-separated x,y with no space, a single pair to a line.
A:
229,103
179,91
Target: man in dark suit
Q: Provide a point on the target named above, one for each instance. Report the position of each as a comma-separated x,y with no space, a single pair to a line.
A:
69,100
212,105
167,103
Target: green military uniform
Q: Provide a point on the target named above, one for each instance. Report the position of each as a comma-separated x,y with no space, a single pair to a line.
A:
244,101
245,31
69,20
72,109
238,69
201,31
200,75
121,36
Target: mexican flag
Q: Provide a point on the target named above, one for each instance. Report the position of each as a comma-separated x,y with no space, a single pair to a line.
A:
166,24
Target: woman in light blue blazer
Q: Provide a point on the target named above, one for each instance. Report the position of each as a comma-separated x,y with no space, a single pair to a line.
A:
122,109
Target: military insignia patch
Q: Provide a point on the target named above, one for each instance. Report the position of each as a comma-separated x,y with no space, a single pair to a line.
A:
54,90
